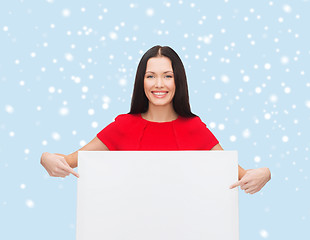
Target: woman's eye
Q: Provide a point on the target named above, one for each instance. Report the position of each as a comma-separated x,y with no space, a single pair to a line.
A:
168,76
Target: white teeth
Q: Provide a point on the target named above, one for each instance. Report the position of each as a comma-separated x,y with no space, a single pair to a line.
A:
159,93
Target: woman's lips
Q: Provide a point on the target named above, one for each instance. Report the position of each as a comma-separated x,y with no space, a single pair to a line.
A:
159,94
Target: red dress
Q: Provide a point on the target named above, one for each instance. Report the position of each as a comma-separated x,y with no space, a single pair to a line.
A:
132,132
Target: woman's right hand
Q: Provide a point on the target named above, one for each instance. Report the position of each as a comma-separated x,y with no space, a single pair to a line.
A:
56,165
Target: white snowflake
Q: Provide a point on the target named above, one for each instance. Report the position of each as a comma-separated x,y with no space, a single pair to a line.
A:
246,78
232,138
94,124
51,89
69,57
217,96
29,203
9,109
267,66
82,143
287,8
224,78
56,136
257,159
91,112
246,133
285,139
66,12
113,35
150,12
122,82
63,111
284,60
263,233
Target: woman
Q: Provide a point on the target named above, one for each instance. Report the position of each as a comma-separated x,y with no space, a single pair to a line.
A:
160,118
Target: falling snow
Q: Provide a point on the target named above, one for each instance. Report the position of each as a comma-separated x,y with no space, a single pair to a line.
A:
264,234
56,136
123,82
51,89
273,98
9,109
225,79
64,77
287,8
66,12
267,66
63,111
69,57
113,35
246,78
257,159
150,12
246,133
218,96
30,203
91,112
285,139
284,60
232,138
94,124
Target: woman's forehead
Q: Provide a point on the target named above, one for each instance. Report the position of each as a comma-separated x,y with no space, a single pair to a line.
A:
159,64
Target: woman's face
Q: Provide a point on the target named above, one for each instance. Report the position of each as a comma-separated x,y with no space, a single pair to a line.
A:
159,86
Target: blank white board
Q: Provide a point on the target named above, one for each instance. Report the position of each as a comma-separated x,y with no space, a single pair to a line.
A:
157,195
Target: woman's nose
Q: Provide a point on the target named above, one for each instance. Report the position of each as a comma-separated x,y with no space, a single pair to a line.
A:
159,82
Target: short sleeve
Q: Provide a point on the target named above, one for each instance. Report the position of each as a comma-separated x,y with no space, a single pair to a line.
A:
209,140
111,135
122,134
193,134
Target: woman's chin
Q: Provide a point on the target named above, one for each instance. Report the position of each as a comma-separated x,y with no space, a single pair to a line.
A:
159,103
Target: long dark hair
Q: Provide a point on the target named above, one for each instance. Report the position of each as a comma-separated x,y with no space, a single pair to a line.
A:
139,101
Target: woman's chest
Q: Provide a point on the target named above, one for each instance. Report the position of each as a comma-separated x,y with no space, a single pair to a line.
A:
158,137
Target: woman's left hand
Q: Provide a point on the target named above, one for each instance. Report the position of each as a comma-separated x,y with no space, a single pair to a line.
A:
253,180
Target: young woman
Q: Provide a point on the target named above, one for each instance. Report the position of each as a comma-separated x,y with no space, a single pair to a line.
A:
160,118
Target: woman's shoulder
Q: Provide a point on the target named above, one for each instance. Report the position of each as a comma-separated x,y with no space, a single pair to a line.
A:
126,121
126,117
191,123
190,120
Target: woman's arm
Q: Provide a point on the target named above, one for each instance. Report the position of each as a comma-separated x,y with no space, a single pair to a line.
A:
93,145
251,180
60,165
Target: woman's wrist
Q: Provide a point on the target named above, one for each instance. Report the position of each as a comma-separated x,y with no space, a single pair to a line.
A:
59,154
44,155
269,173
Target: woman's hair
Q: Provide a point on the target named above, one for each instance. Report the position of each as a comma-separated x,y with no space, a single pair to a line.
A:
139,101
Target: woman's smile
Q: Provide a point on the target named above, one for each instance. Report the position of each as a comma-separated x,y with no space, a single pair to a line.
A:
160,94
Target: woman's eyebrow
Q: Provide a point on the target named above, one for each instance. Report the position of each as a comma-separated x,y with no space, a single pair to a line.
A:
154,72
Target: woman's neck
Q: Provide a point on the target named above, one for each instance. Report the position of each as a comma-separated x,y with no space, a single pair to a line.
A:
160,114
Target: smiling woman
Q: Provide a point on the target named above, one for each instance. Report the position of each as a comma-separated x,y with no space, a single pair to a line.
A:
154,65
160,104
159,87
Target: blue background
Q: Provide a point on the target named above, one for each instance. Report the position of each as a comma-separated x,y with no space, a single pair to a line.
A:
67,70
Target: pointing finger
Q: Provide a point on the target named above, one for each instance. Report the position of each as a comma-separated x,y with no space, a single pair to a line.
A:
235,185
70,170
